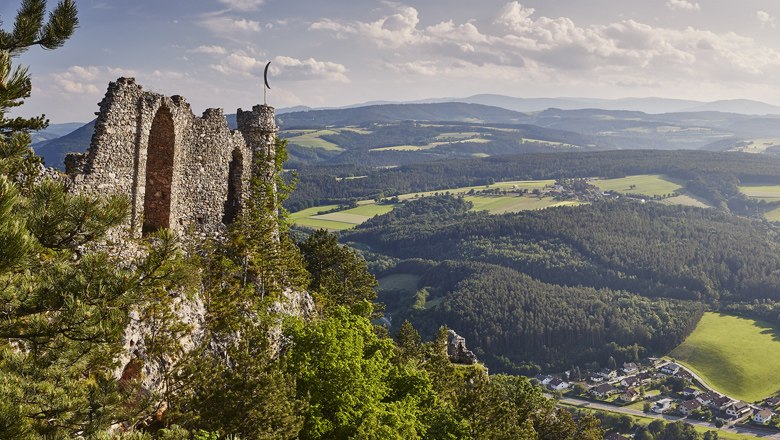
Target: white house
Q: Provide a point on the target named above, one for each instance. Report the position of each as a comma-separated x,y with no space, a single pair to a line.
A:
630,381
542,379
630,368
689,406
662,405
603,390
738,409
762,416
629,395
671,369
557,385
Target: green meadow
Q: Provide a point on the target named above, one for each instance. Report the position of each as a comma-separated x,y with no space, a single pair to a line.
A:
737,356
650,185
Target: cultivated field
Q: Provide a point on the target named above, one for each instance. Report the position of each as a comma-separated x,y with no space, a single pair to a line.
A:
686,200
650,185
311,139
770,193
530,185
773,215
339,220
504,204
431,145
737,356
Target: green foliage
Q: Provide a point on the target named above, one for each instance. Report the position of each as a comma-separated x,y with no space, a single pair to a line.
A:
338,274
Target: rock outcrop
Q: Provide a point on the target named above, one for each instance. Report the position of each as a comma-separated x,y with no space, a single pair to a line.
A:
457,351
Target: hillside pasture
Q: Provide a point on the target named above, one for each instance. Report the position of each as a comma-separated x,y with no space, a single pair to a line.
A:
685,200
312,139
650,185
737,356
504,204
769,193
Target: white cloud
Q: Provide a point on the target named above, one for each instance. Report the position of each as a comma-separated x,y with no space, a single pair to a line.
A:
86,79
243,5
683,4
215,50
625,51
286,68
225,26
766,20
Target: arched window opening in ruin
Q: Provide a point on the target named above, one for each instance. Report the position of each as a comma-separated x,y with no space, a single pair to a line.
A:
159,173
235,175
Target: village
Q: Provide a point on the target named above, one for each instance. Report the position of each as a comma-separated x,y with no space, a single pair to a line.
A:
663,387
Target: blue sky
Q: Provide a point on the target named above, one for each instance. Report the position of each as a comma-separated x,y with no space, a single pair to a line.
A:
340,52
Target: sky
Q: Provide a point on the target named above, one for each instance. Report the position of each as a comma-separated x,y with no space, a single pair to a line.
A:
329,53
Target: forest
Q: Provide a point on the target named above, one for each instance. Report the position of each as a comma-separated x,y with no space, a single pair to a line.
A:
639,272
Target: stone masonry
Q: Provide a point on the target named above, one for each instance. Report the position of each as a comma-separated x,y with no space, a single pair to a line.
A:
178,170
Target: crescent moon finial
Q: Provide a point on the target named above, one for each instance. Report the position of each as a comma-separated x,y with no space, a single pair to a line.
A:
265,75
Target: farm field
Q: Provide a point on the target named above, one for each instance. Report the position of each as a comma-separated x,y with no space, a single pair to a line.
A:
647,184
737,356
503,204
769,193
339,220
773,215
311,139
530,185
686,200
431,145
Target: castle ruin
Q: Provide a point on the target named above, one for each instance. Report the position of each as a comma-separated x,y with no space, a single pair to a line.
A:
178,171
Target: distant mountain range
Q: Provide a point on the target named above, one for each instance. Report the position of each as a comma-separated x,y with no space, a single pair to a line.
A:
623,123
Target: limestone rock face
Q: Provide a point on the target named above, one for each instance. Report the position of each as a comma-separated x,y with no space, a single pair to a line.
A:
457,351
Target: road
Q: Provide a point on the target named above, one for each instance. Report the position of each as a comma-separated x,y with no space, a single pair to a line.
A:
756,432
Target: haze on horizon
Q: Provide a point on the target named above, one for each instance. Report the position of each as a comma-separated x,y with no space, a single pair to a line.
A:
344,52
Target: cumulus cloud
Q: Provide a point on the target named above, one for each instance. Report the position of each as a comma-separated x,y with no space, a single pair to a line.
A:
226,26
683,5
212,50
86,79
287,68
243,5
520,39
766,20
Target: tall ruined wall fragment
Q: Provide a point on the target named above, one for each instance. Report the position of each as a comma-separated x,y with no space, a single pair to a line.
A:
178,170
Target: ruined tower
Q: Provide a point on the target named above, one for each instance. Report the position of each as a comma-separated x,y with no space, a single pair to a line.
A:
179,171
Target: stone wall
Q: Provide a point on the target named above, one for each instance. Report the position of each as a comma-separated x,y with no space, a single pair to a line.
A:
177,170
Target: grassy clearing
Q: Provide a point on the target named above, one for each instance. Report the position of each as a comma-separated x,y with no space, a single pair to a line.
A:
773,215
511,185
311,139
503,204
339,220
737,356
550,143
770,193
686,200
430,145
404,282
647,184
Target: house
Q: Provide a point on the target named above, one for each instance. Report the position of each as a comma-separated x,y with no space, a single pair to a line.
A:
721,403
738,409
689,406
772,402
629,395
542,379
630,381
762,416
629,368
557,385
603,390
707,397
644,377
662,405
670,369
596,378
607,374
690,392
